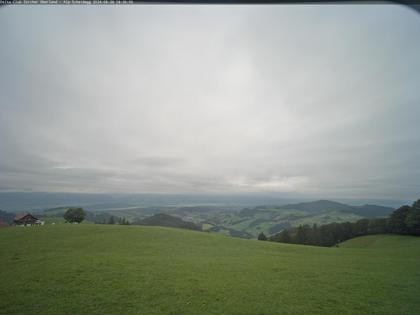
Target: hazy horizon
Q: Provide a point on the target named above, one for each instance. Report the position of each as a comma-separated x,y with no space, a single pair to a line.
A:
295,101
24,201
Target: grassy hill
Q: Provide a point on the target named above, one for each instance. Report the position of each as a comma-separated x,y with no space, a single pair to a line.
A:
232,220
384,242
107,269
249,222
271,220
368,211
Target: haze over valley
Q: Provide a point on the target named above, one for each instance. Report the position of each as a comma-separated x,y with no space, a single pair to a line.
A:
209,159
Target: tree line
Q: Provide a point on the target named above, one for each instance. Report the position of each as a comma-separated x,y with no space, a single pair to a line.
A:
404,220
77,215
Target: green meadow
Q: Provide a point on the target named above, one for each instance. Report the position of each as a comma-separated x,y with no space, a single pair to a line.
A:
111,269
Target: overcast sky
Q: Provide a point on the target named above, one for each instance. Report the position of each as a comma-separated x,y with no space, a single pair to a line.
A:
315,100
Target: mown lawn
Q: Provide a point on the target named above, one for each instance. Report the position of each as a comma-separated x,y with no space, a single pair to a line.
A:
103,269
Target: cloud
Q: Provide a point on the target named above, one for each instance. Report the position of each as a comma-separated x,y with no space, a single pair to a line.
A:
285,99
287,184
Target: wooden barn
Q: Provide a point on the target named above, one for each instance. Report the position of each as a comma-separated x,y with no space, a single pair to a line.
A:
26,219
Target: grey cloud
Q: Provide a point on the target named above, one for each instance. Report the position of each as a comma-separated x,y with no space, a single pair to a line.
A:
156,161
294,99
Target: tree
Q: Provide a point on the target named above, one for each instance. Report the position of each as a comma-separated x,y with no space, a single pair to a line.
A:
303,234
412,220
262,237
284,236
397,221
315,237
378,226
74,215
123,221
361,227
111,220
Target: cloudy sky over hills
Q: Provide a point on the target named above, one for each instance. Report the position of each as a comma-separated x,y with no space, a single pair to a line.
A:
318,100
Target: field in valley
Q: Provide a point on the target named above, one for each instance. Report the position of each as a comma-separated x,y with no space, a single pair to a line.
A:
111,269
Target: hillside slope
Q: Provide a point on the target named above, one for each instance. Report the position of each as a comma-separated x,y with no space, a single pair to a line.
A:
106,269
384,242
162,219
249,222
367,211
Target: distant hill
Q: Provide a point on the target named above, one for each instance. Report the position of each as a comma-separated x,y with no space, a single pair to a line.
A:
317,206
271,219
15,201
162,219
368,211
246,223
373,211
58,211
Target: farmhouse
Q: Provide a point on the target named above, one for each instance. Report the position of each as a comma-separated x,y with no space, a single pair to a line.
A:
27,219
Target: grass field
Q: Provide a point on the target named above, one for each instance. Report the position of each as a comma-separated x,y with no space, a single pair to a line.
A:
385,242
105,269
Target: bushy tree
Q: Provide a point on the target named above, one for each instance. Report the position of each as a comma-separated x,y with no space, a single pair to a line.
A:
315,236
262,237
303,234
416,204
361,227
74,215
284,237
397,221
123,221
412,220
378,226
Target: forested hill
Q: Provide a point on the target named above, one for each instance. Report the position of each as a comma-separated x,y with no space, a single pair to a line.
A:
404,220
368,211
162,219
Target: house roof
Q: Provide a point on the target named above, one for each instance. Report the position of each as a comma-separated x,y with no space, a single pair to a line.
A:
22,215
